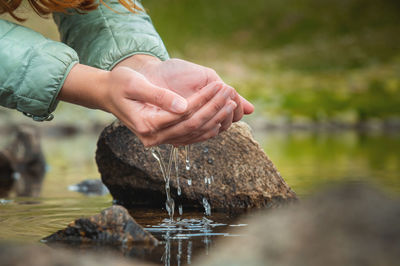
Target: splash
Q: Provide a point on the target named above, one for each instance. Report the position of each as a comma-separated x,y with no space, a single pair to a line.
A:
166,172
187,149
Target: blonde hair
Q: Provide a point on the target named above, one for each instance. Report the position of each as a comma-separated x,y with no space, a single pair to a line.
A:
45,7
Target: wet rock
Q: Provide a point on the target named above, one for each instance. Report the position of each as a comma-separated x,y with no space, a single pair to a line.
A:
112,226
346,225
90,187
22,163
230,170
12,254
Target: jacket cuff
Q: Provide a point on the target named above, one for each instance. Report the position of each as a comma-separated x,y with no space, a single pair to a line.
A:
44,79
33,70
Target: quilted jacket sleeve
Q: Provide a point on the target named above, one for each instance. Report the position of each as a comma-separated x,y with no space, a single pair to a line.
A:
104,37
32,70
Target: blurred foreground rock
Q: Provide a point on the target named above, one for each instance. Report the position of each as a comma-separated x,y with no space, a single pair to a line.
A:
231,171
22,164
113,226
348,225
12,254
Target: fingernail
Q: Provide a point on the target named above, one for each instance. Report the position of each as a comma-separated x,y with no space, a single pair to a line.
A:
179,105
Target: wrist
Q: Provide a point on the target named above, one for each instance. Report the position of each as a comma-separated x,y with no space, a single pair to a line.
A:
86,86
140,62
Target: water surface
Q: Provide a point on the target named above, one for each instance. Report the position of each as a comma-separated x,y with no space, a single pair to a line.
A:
306,160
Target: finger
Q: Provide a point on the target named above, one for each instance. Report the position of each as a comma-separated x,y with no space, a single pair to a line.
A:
167,125
225,113
229,119
207,135
141,89
157,119
238,114
199,118
248,108
203,96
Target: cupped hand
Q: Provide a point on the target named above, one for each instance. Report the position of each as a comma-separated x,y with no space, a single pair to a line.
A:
186,79
157,115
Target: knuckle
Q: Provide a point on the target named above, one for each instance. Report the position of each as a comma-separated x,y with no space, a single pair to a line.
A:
211,72
232,92
192,125
151,127
219,84
216,106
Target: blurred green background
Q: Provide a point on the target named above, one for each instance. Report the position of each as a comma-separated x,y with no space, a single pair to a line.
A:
310,60
301,61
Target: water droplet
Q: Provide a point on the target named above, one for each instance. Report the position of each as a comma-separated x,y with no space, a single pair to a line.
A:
205,150
207,207
210,161
16,176
187,162
180,210
177,171
189,182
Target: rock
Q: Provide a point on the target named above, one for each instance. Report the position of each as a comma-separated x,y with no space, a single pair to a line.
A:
12,254
6,175
241,176
112,226
90,187
346,225
22,163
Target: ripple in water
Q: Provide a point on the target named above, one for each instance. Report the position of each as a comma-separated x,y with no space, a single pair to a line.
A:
181,238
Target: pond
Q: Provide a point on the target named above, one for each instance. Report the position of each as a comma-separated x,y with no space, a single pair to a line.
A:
306,160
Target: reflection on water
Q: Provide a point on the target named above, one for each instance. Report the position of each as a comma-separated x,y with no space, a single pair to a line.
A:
308,160
305,160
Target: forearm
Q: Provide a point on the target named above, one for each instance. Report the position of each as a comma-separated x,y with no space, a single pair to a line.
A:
86,86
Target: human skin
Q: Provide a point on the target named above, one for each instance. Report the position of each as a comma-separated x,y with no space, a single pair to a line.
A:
173,101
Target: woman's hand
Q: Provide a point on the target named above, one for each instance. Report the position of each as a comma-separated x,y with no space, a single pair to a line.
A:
156,115
184,78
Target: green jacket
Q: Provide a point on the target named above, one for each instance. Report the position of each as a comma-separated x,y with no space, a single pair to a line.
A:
33,68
